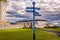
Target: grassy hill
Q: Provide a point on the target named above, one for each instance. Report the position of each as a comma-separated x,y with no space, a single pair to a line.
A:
26,34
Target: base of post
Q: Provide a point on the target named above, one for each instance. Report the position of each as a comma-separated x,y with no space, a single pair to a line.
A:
33,36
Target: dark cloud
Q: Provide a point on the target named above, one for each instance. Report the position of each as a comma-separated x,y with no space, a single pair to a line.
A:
15,14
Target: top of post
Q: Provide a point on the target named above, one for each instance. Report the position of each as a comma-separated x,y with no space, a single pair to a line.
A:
33,3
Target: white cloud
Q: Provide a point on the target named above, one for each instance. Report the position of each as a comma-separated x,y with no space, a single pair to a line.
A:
48,7
57,1
21,12
46,0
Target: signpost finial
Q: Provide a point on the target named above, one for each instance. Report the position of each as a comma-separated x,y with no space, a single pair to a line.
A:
33,3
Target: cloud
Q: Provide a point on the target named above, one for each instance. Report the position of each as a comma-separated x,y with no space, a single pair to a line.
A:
15,14
49,8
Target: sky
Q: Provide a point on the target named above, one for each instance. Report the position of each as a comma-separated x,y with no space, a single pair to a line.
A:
50,10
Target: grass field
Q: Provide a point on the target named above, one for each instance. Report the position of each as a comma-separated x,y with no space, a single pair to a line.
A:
26,34
55,29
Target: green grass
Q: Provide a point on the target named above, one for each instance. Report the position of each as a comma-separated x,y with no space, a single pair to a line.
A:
3,0
26,34
42,35
55,29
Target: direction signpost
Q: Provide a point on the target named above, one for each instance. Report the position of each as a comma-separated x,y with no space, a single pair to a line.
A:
33,10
